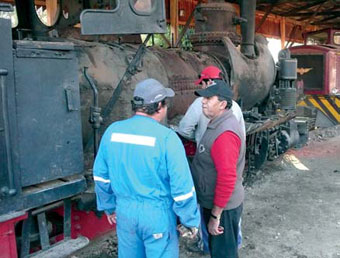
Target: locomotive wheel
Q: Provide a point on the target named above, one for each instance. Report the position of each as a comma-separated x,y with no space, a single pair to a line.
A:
261,149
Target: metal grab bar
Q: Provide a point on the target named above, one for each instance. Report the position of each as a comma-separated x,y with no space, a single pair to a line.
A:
10,190
95,117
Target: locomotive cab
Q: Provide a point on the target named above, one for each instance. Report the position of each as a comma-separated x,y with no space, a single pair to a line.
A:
319,73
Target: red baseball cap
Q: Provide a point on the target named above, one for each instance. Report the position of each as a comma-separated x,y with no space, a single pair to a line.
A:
210,72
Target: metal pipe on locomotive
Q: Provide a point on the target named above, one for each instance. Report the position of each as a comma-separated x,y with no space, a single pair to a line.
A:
46,138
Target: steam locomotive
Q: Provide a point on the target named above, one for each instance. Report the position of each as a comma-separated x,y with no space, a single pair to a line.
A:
60,90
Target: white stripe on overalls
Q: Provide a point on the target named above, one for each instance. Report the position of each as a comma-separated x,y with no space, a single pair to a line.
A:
100,179
133,139
185,196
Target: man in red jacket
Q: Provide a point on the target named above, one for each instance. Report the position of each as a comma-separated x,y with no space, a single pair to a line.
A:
217,170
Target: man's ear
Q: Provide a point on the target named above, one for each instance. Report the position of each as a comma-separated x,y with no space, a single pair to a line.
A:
224,104
159,107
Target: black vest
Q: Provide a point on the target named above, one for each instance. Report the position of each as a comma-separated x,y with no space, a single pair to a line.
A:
203,168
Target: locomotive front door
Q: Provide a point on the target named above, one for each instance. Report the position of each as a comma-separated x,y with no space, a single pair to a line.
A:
48,111
8,170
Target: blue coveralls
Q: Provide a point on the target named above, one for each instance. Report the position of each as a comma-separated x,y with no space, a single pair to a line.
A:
142,174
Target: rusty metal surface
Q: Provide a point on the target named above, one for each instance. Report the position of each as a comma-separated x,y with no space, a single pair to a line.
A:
106,64
213,17
182,70
251,78
202,38
270,123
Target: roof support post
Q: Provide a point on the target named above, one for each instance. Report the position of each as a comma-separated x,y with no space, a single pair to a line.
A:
51,7
283,31
174,21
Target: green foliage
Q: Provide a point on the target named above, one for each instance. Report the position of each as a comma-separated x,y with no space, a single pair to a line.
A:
186,43
160,42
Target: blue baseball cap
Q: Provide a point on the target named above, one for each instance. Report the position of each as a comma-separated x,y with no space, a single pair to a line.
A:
218,88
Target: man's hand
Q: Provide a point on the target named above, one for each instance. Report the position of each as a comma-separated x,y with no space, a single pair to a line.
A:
214,227
187,232
112,219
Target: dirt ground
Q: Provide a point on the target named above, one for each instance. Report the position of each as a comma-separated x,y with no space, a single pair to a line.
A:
294,211
292,207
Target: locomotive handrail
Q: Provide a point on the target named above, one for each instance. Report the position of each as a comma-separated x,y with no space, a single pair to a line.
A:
10,190
93,86
116,93
95,118
128,72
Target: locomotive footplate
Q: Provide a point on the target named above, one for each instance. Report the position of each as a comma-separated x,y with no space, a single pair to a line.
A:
49,248
41,194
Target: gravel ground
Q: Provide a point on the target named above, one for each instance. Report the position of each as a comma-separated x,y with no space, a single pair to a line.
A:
292,207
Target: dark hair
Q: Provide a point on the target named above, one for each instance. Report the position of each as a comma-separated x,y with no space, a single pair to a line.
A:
149,109
229,101
203,80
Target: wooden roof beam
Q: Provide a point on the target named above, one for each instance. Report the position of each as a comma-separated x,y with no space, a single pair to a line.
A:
40,2
8,1
324,21
307,6
307,18
269,9
279,2
312,17
37,2
317,14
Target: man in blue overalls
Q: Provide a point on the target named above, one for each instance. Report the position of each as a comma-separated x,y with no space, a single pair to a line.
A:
142,177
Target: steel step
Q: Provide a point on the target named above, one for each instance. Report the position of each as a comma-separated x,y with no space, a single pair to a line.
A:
63,248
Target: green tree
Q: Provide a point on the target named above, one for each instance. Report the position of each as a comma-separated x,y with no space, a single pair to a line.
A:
160,42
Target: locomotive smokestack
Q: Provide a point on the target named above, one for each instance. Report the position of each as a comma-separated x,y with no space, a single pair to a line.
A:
248,8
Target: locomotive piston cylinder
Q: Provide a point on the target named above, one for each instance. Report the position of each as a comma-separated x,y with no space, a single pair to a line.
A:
288,68
288,98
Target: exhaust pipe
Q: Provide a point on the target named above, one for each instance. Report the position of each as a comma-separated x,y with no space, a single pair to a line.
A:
248,8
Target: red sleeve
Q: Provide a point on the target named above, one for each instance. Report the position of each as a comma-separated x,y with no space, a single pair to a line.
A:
224,152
